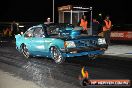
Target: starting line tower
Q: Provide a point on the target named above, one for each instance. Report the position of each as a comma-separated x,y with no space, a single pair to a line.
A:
71,14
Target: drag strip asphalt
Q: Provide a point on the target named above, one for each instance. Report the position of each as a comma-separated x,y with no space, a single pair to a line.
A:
45,72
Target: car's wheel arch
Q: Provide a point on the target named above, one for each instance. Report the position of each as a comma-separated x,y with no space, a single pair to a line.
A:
53,46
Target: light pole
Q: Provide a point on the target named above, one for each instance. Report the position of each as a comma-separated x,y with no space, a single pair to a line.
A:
53,10
91,18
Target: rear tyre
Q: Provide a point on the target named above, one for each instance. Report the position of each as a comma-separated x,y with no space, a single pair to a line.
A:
57,55
25,51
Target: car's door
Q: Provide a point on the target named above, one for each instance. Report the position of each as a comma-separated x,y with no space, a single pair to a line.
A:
27,38
37,43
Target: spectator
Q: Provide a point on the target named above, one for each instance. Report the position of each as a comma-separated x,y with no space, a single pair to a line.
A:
95,27
14,28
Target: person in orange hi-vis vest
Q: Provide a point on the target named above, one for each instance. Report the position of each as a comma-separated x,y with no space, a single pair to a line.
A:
106,29
83,23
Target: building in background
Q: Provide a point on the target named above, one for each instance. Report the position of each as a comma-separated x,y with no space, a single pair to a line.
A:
72,14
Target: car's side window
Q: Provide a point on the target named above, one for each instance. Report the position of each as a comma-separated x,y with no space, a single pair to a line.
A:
38,32
29,33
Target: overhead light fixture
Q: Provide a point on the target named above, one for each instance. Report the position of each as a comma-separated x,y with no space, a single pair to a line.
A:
80,8
21,26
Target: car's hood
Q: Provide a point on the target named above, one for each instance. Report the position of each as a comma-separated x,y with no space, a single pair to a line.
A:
72,35
82,36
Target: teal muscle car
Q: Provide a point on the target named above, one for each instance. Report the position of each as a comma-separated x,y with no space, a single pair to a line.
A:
57,41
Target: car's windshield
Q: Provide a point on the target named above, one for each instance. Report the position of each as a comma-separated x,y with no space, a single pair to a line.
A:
56,29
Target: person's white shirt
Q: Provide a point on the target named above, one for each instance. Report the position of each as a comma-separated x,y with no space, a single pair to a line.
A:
48,21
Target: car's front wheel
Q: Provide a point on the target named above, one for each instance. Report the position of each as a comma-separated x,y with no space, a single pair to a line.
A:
57,55
25,51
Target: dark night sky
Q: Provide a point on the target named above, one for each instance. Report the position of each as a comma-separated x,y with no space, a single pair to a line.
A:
39,10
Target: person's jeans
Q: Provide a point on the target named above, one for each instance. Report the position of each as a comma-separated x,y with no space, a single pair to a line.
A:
107,36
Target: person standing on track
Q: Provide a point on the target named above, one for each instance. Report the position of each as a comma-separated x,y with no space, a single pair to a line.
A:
106,29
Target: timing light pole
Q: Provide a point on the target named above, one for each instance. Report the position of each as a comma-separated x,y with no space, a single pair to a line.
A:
53,10
91,21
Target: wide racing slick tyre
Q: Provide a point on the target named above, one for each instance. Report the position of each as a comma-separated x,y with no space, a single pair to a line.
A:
25,51
57,55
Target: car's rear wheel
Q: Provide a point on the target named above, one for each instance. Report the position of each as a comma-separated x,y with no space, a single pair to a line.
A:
25,51
57,55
